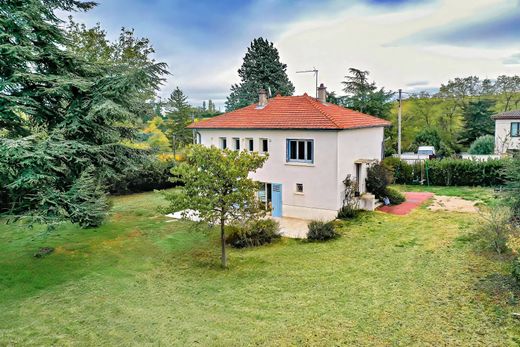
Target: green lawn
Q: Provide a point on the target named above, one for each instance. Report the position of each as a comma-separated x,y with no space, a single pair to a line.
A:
389,280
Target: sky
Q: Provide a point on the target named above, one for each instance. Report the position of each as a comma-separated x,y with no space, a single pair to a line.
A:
410,44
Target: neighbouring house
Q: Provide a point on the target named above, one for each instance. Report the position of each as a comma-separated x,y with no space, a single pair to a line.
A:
507,132
313,145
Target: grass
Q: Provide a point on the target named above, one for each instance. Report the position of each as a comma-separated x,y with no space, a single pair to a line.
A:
389,280
484,194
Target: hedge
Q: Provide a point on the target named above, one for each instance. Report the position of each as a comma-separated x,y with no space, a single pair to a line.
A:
450,172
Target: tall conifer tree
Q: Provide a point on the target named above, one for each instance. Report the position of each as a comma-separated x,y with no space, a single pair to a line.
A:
261,69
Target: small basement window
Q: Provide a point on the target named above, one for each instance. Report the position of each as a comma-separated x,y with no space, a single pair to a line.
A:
264,145
223,143
299,188
236,142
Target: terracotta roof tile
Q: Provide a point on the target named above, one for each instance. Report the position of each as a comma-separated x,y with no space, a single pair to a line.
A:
292,112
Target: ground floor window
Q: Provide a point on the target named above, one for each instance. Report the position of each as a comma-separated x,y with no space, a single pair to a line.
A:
300,150
299,188
265,194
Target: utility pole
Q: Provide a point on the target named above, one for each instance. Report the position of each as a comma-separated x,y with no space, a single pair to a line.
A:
399,124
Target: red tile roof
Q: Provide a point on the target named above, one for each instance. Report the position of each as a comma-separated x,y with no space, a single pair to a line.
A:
292,112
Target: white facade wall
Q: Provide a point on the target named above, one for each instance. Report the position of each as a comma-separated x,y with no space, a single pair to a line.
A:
334,156
503,139
357,144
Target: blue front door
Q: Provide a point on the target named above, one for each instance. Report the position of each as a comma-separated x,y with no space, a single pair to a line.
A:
276,197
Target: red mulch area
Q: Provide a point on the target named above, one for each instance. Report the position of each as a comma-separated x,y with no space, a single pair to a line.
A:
413,200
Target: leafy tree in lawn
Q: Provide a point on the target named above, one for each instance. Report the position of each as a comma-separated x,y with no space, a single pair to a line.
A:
63,118
216,184
179,115
261,69
365,96
477,120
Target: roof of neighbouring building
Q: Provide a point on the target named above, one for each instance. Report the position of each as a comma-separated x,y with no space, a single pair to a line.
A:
292,112
508,115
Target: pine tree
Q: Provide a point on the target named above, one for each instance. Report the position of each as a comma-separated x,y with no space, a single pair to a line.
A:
63,119
365,96
261,69
179,117
477,120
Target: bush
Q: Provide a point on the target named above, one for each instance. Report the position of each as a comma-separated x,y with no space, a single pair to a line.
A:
496,230
255,233
483,145
402,171
515,270
347,212
394,196
321,231
350,205
149,174
378,178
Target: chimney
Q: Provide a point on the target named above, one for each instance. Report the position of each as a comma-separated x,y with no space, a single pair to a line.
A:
262,98
322,93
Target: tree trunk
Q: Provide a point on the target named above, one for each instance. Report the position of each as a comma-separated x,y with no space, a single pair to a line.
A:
223,243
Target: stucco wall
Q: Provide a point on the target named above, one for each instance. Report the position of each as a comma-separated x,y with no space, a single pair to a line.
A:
503,139
357,144
334,155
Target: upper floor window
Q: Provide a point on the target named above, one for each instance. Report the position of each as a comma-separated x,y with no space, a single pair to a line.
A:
223,143
300,150
515,129
250,145
236,143
264,145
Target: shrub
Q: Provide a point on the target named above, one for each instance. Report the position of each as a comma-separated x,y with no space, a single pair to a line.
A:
252,234
457,172
394,196
515,270
350,202
378,178
149,174
513,186
321,231
496,230
483,145
402,171
450,172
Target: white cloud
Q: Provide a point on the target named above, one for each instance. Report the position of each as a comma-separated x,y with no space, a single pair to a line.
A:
374,39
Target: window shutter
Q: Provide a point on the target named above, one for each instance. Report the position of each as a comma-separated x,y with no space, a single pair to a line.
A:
288,150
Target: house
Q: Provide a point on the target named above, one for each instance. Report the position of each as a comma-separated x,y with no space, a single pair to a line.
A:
313,145
507,132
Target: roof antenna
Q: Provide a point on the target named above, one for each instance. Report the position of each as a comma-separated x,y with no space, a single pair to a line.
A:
269,91
315,74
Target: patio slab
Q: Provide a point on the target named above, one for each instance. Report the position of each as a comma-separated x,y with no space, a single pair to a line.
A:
293,227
